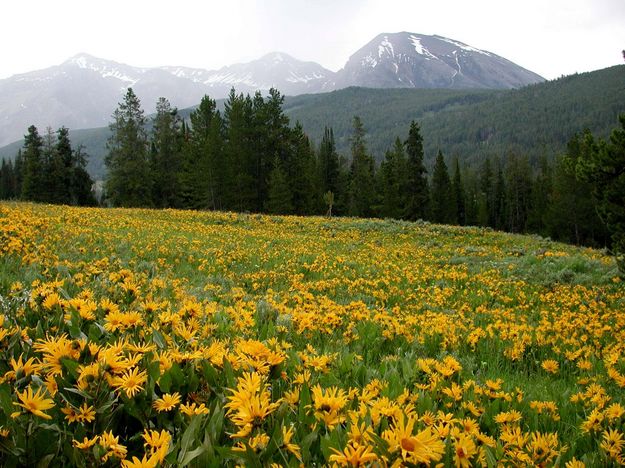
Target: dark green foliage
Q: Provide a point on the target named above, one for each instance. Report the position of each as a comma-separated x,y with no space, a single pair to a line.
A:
603,165
7,180
541,192
572,215
393,183
518,189
443,203
417,202
280,198
33,175
128,181
362,174
203,170
166,155
459,196
300,169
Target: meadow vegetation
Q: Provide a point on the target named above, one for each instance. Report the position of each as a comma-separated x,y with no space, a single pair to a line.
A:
142,337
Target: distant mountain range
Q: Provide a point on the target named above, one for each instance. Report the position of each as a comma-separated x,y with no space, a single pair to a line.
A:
83,91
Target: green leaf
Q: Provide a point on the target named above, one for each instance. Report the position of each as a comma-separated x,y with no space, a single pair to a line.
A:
6,403
158,339
191,455
164,383
189,435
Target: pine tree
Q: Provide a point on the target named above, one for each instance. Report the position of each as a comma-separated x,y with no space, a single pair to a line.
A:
328,163
416,184
32,177
459,196
572,215
238,149
541,193
62,168
518,193
443,206
393,182
280,198
300,169
362,174
80,183
166,155
6,180
603,164
129,178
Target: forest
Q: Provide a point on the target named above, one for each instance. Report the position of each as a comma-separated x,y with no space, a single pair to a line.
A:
251,158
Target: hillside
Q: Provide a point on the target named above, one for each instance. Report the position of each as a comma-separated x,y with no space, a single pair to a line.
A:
306,333
535,120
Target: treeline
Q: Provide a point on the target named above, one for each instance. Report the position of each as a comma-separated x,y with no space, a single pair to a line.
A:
250,159
47,170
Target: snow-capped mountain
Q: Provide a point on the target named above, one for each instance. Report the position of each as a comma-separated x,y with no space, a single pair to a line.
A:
410,60
277,70
84,91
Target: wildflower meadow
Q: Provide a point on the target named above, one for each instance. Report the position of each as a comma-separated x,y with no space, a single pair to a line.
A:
177,338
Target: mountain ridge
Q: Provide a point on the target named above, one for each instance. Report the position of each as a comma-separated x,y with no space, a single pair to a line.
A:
84,90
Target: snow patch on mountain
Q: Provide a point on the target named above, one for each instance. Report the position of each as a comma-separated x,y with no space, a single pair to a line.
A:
463,46
386,47
418,47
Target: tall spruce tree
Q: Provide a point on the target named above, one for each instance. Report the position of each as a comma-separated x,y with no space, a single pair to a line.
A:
443,206
64,166
459,196
33,164
362,174
166,155
603,164
6,180
300,168
129,179
518,193
279,197
541,193
393,182
241,193
417,183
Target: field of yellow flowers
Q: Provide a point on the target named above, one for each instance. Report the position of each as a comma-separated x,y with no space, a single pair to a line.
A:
173,338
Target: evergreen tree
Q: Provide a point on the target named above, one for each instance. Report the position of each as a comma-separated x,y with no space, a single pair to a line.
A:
416,183
62,168
362,174
240,181
328,163
80,181
128,182
32,176
486,202
519,192
6,180
572,216
459,196
541,193
603,164
300,170
166,155
393,182
443,206
18,174
203,167
498,203
280,198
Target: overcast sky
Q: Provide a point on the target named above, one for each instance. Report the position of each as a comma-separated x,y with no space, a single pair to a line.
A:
549,37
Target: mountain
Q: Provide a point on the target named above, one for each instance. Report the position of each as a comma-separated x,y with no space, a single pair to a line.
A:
277,70
84,91
535,120
409,60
